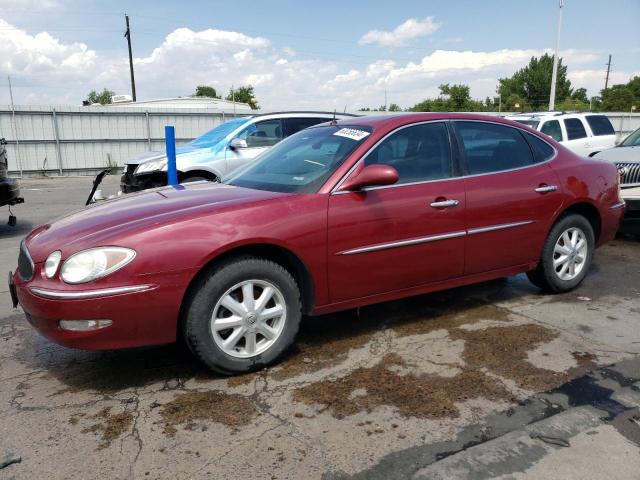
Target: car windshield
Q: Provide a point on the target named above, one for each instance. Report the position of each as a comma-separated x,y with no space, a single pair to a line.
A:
302,162
217,134
529,123
632,140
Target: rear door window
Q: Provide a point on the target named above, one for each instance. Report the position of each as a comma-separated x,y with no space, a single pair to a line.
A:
552,128
294,125
600,125
490,147
575,128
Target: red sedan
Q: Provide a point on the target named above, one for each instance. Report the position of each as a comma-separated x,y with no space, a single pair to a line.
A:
337,216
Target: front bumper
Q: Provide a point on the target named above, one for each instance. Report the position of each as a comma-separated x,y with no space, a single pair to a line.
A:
631,221
146,315
129,182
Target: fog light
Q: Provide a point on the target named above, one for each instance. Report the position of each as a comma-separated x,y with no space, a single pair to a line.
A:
84,325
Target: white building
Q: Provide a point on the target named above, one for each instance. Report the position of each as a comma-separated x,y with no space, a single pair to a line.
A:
182,102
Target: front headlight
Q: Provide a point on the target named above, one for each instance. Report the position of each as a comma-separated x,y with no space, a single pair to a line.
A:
156,165
95,263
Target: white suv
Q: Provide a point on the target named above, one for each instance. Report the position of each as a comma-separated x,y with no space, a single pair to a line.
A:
583,133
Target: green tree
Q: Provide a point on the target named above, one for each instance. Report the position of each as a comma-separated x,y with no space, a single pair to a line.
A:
206,91
618,98
244,94
533,82
394,108
580,94
364,109
103,98
573,104
634,86
453,98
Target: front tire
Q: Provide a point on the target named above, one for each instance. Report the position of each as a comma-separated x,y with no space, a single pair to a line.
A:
243,316
566,255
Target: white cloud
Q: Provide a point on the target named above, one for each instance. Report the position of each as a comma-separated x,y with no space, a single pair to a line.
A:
41,58
46,70
593,80
412,28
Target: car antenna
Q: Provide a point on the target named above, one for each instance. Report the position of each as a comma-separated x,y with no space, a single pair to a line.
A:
334,121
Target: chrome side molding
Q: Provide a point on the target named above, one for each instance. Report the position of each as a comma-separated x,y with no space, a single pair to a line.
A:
404,243
57,294
493,228
433,238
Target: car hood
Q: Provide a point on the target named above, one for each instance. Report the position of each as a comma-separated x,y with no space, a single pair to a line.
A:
181,152
106,221
620,154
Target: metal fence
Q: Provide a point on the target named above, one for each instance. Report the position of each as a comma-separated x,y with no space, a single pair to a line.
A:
81,140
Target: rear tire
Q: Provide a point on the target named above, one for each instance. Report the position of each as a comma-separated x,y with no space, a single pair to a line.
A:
243,315
566,255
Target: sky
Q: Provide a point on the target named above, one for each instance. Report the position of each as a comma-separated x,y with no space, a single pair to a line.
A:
321,54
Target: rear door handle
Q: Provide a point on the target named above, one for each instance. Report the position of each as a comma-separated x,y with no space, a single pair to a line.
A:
445,203
546,188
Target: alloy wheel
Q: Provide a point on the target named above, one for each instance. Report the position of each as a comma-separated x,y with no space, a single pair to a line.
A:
248,318
570,254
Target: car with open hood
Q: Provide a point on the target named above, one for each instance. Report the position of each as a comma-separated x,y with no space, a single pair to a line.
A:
337,216
217,152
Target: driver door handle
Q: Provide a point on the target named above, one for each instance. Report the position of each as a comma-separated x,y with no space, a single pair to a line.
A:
546,188
445,203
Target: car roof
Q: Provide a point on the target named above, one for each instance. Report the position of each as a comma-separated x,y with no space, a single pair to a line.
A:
540,115
379,121
303,113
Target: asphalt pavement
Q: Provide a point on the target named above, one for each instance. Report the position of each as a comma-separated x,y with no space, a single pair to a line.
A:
495,380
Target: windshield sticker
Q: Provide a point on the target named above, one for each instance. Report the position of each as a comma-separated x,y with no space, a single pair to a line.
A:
352,133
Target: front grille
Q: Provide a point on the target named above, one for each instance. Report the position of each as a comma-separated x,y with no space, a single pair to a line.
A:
25,264
629,173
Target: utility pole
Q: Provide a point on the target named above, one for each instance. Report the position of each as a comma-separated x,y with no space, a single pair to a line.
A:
15,126
127,35
554,75
606,80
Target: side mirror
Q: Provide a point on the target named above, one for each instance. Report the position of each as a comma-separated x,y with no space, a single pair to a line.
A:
371,176
237,143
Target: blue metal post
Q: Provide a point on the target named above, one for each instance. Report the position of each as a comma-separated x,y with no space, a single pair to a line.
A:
170,142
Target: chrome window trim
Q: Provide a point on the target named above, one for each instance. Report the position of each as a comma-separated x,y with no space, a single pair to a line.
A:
434,238
493,228
56,294
375,145
334,190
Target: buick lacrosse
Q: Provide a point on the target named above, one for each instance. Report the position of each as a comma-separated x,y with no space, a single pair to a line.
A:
345,214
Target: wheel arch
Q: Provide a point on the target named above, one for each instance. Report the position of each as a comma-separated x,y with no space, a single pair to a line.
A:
269,251
587,210
198,173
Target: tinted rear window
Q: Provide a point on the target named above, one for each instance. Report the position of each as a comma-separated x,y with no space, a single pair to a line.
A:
490,147
600,125
542,151
575,128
